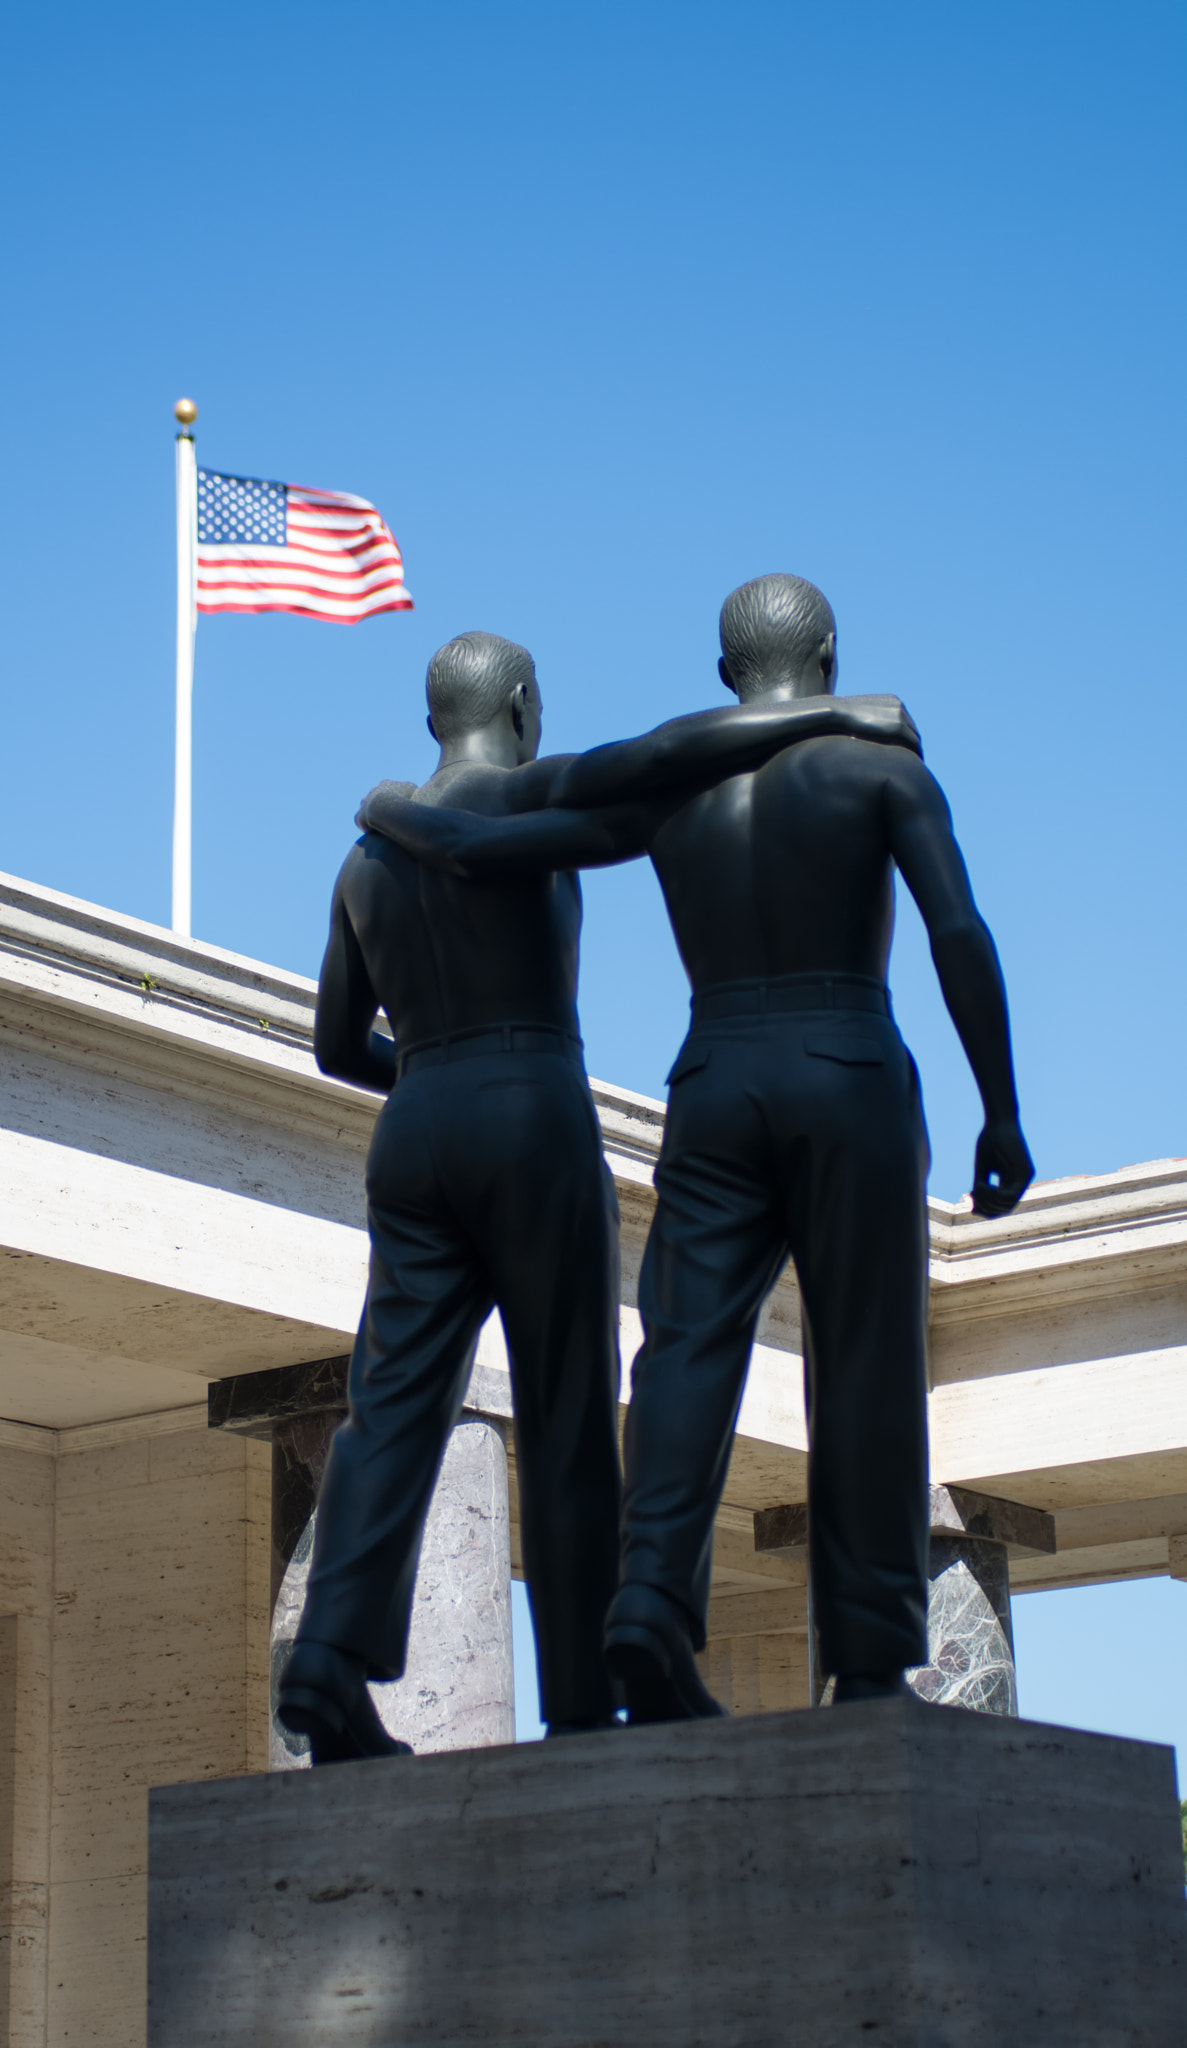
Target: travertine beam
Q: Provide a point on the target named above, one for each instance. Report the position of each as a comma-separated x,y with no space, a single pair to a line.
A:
1103,1429
736,1559
759,1614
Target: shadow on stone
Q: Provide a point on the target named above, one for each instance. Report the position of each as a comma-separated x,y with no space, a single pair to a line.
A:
933,1879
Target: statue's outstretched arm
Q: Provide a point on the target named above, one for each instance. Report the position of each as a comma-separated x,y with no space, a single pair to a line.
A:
693,753
344,1044
925,848
464,843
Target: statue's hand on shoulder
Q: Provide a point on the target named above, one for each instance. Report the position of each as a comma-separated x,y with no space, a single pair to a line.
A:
367,815
880,718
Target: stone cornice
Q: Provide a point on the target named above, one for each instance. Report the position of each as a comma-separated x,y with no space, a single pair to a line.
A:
49,938
1113,1232
115,994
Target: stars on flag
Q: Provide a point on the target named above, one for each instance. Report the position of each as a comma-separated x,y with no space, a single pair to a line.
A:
273,547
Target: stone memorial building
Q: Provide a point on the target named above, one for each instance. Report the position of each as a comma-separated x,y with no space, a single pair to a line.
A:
182,1262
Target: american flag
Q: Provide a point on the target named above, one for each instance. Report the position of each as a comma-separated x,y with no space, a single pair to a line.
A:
265,547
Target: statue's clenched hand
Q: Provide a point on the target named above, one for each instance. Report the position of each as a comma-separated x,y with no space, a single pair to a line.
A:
1003,1170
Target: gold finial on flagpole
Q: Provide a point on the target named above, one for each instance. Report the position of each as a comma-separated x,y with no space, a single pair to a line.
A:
185,412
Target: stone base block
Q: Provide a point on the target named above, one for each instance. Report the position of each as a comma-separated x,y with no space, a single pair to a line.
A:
892,1873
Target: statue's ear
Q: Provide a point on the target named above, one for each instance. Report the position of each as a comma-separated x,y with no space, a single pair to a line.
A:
828,657
723,670
519,697
432,729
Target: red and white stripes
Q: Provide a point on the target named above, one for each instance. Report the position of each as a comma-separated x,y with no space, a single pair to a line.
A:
339,561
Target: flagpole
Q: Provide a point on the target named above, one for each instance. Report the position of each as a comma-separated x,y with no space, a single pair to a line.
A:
185,412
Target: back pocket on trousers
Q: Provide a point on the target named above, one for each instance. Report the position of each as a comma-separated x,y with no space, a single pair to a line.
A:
689,1060
849,1052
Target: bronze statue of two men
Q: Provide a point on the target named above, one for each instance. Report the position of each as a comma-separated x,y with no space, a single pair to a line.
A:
794,1129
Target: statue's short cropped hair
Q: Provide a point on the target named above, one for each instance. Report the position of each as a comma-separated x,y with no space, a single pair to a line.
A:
774,622
470,680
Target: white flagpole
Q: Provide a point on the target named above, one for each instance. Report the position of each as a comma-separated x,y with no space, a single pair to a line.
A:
185,412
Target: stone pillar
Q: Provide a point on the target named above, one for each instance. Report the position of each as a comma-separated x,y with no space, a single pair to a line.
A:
300,1447
458,1689
970,1640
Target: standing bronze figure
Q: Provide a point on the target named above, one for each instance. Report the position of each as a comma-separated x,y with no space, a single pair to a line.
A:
795,1128
486,1187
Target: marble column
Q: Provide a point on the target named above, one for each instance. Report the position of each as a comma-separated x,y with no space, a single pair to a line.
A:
458,1689
295,1408
300,1447
970,1640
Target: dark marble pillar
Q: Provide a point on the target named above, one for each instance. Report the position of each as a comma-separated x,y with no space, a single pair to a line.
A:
970,1639
300,1447
296,1408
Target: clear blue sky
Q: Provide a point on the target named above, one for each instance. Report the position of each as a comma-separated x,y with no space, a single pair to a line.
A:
609,309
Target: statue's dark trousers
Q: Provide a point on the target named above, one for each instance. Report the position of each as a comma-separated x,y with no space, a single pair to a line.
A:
791,1130
486,1186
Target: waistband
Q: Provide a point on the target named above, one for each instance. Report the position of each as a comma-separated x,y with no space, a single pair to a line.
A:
484,1039
779,993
